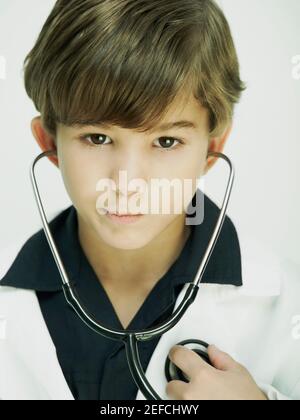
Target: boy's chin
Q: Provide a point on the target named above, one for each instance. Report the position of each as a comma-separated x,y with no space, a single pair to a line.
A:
126,243
130,236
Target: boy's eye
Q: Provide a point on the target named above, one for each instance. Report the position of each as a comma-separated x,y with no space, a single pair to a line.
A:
95,139
166,143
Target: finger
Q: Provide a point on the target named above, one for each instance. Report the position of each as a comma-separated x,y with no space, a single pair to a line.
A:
221,360
177,390
188,361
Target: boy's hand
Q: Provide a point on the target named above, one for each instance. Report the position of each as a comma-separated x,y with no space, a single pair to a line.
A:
227,380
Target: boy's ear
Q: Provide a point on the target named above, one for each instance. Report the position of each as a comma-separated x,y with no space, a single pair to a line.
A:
217,145
44,139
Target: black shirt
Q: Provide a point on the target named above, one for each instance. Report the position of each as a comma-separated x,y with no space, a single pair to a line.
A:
95,367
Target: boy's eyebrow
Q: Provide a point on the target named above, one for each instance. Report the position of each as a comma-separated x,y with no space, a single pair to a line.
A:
176,124
162,127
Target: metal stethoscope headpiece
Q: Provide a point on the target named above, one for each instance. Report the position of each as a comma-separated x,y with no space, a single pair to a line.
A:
131,338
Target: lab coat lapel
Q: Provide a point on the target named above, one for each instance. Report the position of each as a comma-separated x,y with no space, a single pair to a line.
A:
28,359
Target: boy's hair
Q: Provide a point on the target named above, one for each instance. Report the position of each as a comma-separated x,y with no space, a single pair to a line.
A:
123,62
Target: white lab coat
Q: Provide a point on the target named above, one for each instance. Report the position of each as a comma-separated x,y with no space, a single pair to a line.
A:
256,324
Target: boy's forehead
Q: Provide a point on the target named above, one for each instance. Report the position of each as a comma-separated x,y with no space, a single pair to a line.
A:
183,106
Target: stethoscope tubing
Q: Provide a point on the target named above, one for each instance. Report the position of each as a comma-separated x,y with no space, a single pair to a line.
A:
132,337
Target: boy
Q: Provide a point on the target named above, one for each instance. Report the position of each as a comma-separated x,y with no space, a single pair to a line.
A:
145,87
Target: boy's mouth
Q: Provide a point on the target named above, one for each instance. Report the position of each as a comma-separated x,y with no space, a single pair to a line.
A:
124,218
123,214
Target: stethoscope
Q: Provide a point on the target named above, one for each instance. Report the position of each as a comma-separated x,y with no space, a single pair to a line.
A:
131,338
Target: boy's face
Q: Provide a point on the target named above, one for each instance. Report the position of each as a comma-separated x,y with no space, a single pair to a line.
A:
146,157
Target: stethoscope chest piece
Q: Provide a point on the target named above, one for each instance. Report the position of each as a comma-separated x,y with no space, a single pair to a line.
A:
172,372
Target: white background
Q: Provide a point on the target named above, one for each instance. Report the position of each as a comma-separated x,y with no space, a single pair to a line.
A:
264,144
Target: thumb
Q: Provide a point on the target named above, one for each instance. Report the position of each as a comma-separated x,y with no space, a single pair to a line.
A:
221,360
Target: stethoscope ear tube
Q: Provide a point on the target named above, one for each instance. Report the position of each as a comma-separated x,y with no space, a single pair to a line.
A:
131,338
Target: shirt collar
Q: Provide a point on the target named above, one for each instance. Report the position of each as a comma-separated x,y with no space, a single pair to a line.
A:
34,267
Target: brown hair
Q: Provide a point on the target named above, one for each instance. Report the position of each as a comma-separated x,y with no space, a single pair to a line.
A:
123,62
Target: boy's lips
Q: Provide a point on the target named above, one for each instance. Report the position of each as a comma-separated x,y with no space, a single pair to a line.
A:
123,214
114,213
125,218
